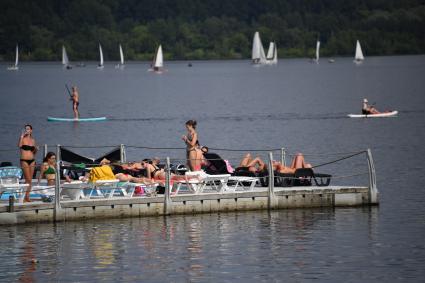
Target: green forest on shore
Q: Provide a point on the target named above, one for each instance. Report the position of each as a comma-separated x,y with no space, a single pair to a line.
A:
219,29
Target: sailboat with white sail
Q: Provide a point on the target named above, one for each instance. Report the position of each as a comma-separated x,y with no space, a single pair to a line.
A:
120,65
100,66
358,58
15,67
272,54
317,52
258,55
65,60
158,61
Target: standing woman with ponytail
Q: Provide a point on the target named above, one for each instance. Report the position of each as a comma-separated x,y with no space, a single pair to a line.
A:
28,149
193,153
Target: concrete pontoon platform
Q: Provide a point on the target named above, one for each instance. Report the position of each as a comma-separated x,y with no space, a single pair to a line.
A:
116,207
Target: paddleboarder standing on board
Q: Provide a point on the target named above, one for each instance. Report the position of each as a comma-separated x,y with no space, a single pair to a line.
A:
75,102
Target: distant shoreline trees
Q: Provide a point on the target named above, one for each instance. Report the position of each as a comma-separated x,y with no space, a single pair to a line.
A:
220,29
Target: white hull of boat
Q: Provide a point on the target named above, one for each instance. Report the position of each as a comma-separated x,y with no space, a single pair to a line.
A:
380,115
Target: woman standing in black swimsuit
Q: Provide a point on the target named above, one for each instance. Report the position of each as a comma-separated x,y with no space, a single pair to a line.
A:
193,152
28,149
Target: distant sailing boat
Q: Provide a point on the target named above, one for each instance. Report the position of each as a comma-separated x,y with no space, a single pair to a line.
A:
272,54
258,56
121,64
158,61
317,52
358,58
65,60
100,66
15,67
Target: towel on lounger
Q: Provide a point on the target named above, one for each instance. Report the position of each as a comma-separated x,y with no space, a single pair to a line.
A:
103,172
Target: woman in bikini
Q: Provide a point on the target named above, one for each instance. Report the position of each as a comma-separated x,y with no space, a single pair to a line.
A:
157,174
48,169
193,153
28,149
257,165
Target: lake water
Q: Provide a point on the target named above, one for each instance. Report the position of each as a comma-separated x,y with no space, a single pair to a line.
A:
296,105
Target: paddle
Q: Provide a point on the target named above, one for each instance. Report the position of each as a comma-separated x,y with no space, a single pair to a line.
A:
69,92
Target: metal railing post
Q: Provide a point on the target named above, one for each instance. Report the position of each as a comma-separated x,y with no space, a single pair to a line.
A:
373,190
167,199
45,149
123,157
283,156
270,195
57,207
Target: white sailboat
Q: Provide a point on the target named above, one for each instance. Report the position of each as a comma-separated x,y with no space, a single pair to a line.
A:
100,66
15,67
272,54
258,55
121,64
358,58
317,52
158,61
65,60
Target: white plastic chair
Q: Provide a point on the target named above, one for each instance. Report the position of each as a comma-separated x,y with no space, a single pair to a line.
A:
9,182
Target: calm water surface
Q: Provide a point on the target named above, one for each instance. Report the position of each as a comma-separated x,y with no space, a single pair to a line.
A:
296,105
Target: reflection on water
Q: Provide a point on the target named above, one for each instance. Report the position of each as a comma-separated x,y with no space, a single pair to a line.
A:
289,244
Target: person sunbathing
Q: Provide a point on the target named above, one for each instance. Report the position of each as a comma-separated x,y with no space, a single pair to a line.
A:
156,174
297,162
104,171
257,165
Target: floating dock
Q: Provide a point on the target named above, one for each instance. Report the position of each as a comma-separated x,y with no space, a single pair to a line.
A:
119,207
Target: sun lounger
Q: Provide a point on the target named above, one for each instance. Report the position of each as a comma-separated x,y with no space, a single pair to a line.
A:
149,189
238,183
199,181
104,188
74,190
9,182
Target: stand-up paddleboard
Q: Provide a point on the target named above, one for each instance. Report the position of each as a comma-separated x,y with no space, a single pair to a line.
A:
380,115
94,119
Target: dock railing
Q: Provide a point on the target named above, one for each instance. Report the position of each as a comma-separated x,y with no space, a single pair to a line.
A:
168,204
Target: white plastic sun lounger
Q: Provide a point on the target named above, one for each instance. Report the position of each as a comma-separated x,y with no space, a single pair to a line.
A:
217,183
241,183
148,188
9,182
105,188
74,190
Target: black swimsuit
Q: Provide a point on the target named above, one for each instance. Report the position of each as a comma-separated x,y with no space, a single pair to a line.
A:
28,148
154,171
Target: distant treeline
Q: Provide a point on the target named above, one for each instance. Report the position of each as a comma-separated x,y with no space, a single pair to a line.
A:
217,29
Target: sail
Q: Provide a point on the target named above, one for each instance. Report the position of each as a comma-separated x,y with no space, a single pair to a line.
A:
258,55
159,61
17,56
317,51
274,60
121,56
101,56
65,60
359,54
270,52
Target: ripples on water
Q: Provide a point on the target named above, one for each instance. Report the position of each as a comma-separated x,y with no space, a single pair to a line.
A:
291,245
295,105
